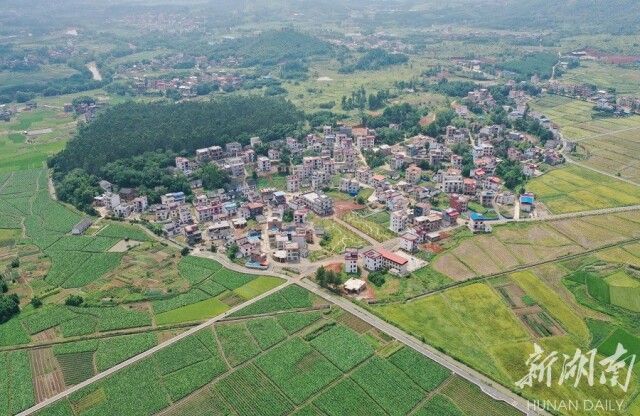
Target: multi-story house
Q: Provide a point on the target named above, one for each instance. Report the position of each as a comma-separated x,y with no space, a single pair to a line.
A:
264,164
183,165
398,222
318,202
452,181
413,174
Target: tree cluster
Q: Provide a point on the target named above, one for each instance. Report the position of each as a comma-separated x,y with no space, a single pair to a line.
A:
9,307
328,278
374,60
271,48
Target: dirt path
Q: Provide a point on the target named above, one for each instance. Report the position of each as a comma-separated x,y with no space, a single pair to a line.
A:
94,71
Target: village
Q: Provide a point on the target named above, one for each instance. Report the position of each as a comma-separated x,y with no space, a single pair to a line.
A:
325,175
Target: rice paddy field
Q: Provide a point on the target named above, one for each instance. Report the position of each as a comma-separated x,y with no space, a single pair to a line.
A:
479,325
608,144
321,363
624,80
574,189
574,117
515,245
617,152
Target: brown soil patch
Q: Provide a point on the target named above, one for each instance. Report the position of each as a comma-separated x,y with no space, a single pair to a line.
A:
47,377
46,335
434,248
342,207
336,267
613,59
426,120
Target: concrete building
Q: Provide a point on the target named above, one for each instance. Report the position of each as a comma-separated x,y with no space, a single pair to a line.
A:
264,164
351,260
380,258
413,174
318,202
398,222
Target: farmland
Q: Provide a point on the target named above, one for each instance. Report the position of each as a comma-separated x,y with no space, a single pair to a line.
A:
159,287
608,144
515,245
575,189
478,325
575,120
315,364
375,226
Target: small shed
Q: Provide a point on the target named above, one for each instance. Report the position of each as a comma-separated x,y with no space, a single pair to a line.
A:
354,286
82,226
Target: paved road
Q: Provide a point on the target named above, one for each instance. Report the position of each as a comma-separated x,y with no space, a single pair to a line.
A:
148,353
492,389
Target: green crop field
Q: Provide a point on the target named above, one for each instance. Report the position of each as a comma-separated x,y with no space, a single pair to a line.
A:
194,312
237,343
342,347
389,386
340,237
125,231
298,369
377,230
76,367
261,366
112,351
576,189
630,342
470,399
16,389
267,332
424,372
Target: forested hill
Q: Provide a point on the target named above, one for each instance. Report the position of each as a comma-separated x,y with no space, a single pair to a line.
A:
132,129
271,48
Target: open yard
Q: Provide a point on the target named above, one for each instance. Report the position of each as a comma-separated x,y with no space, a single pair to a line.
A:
575,189
339,237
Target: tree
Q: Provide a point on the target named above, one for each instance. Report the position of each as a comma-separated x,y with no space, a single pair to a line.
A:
4,287
9,306
232,251
321,276
15,263
254,175
184,251
213,177
74,300
36,302
376,278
